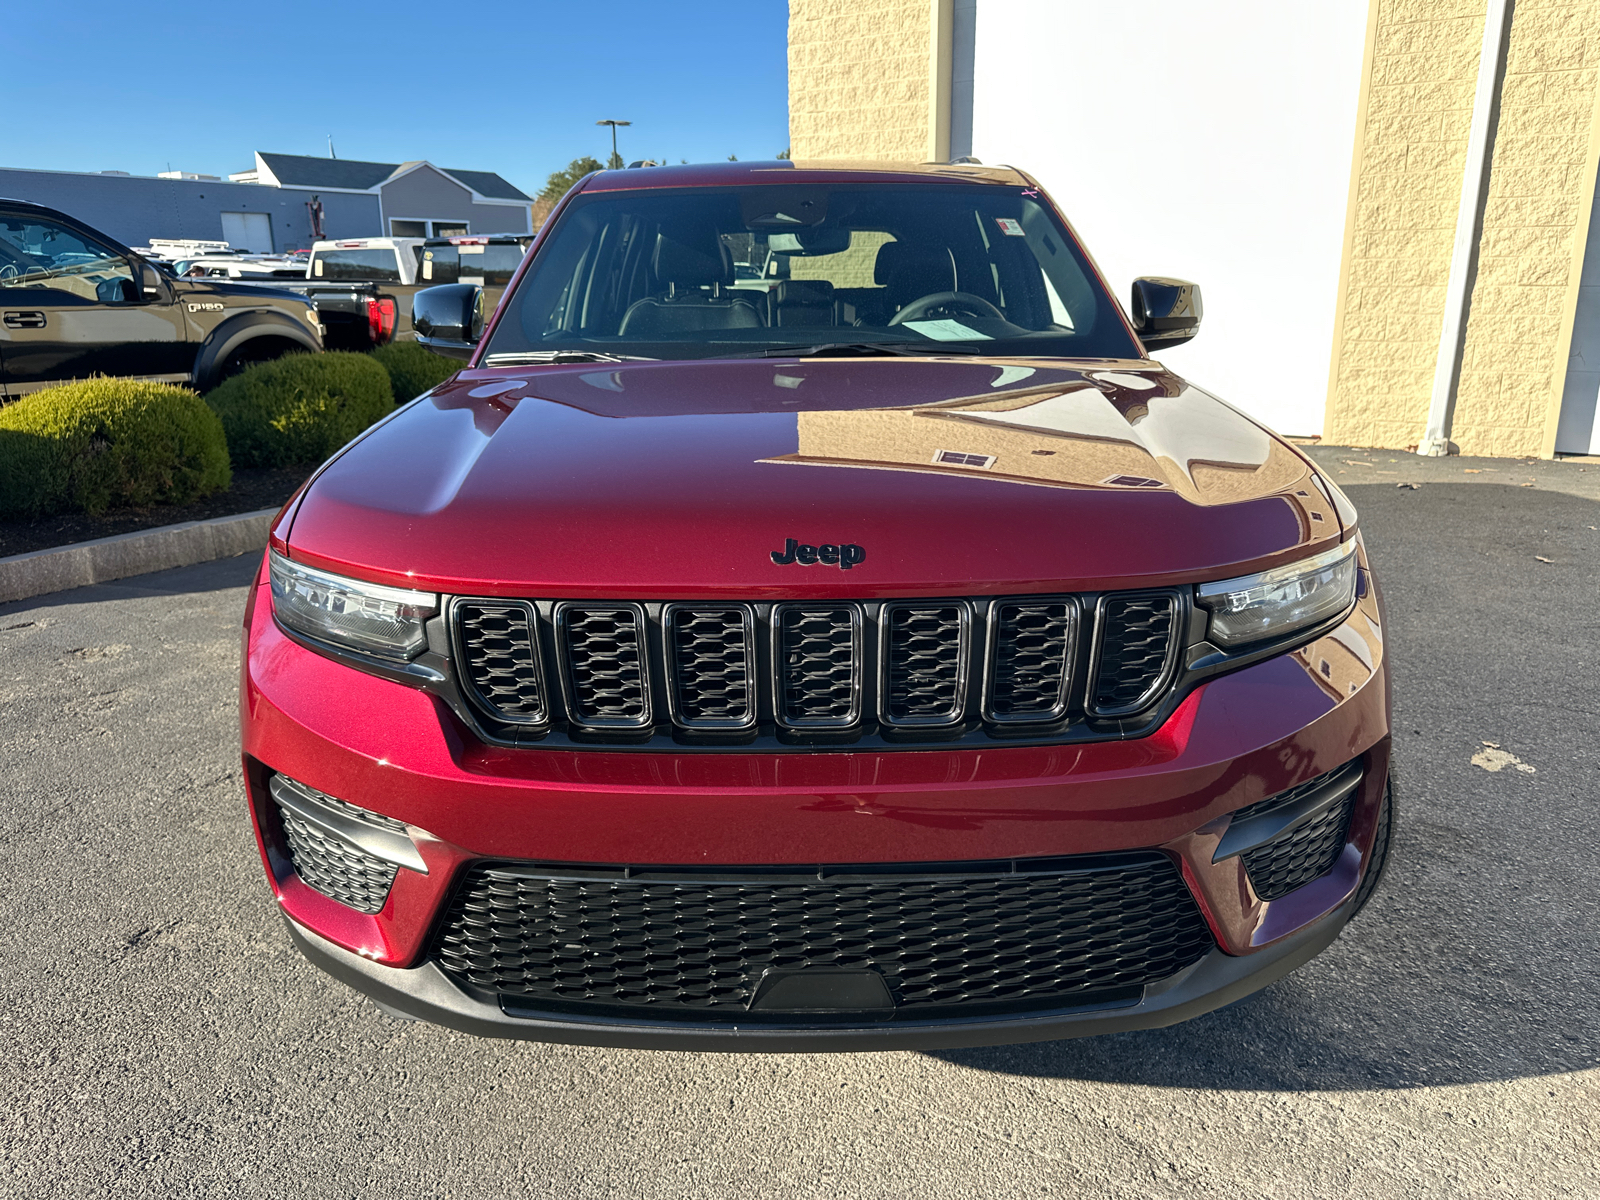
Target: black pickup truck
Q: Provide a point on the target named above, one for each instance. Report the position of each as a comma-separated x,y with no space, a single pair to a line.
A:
75,303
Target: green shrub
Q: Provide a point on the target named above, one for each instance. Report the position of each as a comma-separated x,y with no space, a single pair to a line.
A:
300,408
108,442
413,369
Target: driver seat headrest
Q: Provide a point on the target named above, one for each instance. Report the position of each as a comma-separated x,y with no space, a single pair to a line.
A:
689,266
911,271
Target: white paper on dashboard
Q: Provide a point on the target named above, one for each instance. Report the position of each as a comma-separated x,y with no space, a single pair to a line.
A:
947,331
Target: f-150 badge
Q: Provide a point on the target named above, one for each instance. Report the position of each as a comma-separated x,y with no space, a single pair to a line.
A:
844,557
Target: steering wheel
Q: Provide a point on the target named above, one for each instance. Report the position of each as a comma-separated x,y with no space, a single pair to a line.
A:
9,271
925,306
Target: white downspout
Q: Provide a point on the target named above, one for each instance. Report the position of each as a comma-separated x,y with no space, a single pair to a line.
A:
1469,222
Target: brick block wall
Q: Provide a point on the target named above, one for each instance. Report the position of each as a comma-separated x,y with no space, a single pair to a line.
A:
1412,139
1540,190
859,78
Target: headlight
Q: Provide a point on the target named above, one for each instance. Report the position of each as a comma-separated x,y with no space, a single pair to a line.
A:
1277,602
366,617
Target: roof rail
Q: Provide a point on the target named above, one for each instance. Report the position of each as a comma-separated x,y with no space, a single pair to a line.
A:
644,162
966,158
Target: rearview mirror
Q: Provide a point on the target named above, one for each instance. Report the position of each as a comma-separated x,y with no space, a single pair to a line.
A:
1166,312
449,318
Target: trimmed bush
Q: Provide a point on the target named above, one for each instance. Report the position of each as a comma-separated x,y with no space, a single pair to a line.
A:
300,408
413,369
108,443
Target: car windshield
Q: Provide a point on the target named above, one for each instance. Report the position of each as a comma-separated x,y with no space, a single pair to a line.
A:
710,272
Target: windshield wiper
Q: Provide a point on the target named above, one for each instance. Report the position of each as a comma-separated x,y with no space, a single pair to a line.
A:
521,358
860,350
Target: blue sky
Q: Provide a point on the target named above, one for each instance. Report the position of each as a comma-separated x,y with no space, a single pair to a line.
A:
513,88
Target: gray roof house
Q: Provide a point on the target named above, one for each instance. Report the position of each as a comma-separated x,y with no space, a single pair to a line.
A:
415,199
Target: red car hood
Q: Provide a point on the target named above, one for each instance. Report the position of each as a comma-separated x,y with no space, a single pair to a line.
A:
680,480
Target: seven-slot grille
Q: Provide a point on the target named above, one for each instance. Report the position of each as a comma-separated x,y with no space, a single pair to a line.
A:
1020,933
907,668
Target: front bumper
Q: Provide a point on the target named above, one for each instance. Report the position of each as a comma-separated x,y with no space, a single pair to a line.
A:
1218,979
1234,741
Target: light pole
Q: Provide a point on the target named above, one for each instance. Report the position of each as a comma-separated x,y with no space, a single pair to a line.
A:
616,159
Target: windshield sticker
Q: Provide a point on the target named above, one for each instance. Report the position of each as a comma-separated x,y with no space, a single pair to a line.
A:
947,331
468,248
1010,226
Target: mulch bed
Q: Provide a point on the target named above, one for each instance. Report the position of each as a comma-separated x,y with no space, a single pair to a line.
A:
253,488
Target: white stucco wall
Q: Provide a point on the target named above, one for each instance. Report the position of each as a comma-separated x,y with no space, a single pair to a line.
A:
1211,141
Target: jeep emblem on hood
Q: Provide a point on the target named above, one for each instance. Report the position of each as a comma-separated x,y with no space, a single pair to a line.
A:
844,557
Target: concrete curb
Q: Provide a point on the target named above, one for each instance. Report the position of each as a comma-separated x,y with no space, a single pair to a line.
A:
45,571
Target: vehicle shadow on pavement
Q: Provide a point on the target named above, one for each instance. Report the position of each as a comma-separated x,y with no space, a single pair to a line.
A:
1476,959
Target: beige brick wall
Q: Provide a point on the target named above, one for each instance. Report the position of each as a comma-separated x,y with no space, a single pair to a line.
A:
859,79
1540,191
1421,70
1416,114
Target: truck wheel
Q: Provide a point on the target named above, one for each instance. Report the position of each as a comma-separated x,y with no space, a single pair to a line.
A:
257,350
1380,850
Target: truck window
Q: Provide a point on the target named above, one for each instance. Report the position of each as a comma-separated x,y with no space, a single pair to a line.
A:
355,266
58,266
439,265
500,263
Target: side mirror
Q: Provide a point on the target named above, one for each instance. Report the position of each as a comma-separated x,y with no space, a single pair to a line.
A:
1166,312
150,281
449,318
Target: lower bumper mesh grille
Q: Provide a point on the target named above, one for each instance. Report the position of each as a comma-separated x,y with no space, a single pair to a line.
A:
334,867
1300,854
1015,935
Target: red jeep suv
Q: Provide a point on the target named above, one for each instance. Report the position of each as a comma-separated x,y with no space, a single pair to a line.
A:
810,620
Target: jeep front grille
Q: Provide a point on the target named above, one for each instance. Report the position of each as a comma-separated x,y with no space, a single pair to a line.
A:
820,672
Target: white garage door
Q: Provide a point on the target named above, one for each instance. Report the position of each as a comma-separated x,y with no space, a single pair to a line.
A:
248,231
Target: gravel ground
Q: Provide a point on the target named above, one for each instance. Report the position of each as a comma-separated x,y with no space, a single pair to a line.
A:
163,1038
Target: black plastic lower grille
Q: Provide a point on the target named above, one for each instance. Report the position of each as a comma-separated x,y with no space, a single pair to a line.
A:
1029,936
333,866
1306,852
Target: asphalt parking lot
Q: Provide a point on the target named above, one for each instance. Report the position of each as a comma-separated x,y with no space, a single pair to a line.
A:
160,1036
